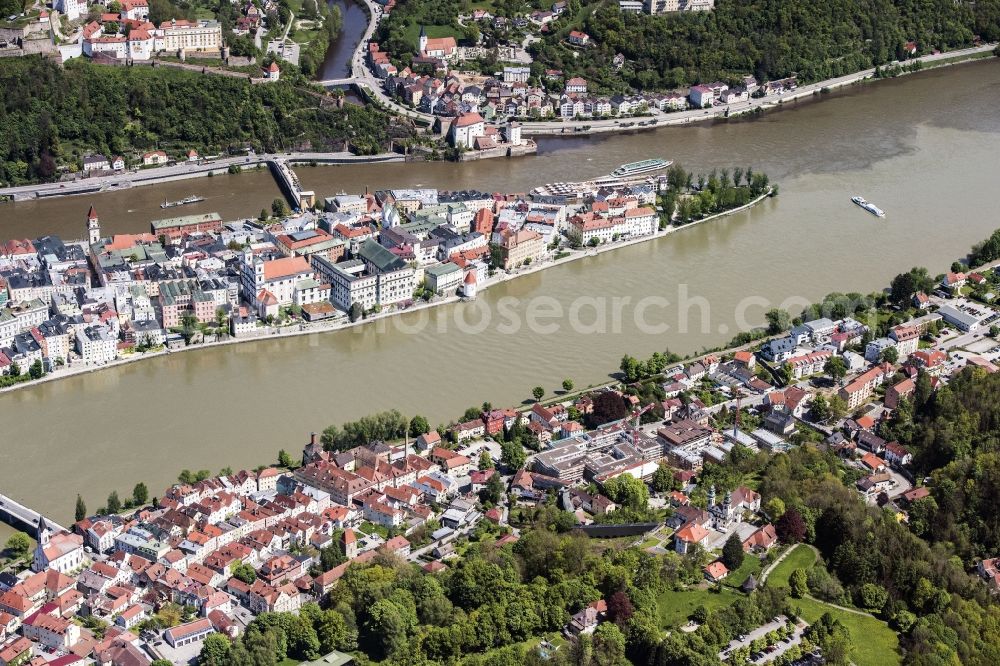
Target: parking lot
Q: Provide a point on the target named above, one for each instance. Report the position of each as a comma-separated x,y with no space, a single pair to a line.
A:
773,651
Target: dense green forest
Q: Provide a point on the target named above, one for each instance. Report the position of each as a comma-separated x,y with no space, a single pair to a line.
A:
956,439
50,115
767,38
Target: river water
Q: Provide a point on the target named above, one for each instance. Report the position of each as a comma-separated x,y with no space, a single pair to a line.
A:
337,63
931,162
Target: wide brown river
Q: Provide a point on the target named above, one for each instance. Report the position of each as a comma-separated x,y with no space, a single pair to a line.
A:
925,148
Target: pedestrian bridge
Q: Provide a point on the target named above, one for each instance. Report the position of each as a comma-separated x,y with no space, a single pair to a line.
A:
17,515
328,83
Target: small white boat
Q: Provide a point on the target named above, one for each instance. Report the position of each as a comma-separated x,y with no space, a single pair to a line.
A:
870,207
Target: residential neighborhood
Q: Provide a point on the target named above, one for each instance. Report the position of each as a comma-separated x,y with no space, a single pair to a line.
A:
290,376
435,83
420,497
199,279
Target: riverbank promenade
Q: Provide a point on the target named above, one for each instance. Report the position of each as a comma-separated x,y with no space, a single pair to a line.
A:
183,171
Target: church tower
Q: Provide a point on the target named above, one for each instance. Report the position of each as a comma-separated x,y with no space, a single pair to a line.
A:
39,561
93,226
423,41
350,543
43,531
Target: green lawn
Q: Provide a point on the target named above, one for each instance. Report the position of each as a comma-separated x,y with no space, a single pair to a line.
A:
371,528
598,546
676,607
800,557
751,565
576,22
874,643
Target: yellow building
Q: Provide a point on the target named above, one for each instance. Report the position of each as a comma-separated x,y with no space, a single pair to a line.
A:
522,246
184,35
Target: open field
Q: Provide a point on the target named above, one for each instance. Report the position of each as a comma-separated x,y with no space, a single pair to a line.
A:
676,607
874,643
800,557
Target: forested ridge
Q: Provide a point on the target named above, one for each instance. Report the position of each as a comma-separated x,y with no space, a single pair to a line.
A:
767,38
52,115
956,440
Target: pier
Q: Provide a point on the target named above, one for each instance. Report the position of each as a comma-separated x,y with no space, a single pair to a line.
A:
21,517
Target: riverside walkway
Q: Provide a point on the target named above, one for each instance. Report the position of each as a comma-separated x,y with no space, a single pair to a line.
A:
183,171
598,126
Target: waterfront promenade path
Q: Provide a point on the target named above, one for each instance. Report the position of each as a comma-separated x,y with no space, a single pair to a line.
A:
185,170
363,77
701,115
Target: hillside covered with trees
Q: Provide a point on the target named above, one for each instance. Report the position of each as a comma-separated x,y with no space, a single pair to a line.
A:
52,115
767,38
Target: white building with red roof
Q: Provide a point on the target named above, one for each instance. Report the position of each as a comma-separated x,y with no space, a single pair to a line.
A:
137,10
466,129
71,9
689,535
154,158
62,551
140,47
439,47
179,35
111,45
576,86
716,571
469,286
277,278
191,632
50,629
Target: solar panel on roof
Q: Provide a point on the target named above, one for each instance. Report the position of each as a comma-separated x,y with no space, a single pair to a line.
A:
302,235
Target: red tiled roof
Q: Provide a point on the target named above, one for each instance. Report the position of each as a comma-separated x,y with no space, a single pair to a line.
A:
285,267
468,119
692,533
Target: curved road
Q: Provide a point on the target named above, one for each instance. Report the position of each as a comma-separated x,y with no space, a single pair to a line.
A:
699,115
363,77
